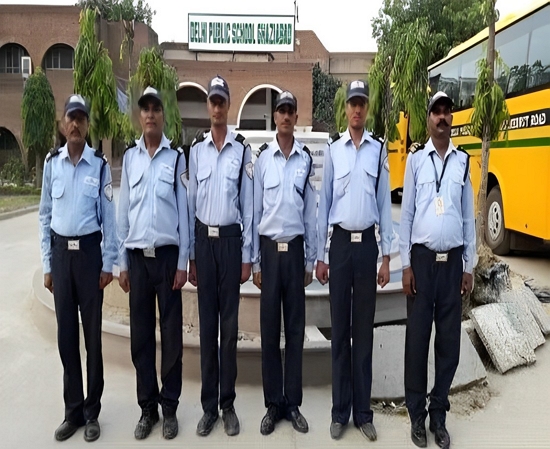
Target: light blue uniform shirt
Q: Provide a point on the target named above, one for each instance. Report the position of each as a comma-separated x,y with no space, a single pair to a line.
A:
152,208
284,200
348,195
214,188
74,204
419,221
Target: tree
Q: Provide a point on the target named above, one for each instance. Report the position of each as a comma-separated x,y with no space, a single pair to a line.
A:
94,80
324,90
38,119
489,114
153,71
126,12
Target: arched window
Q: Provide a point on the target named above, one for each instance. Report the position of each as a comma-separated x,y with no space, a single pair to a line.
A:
59,57
10,58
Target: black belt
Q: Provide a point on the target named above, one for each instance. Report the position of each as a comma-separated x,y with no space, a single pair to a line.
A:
439,256
233,230
75,242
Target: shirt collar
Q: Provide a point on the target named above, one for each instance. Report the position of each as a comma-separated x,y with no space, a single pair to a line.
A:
87,153
431,148
164,143
296,147
229,139
365,137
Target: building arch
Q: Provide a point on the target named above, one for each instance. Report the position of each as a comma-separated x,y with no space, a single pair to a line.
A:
10,57
191,98
58,56
258,113
9,146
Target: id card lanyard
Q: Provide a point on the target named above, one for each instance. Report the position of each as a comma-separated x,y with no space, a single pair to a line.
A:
439,203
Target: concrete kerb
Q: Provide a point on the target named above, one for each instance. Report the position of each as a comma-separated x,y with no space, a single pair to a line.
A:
18,212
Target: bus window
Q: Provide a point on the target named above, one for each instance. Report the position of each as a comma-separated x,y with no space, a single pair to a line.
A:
448,81
513,44
539,57
468,76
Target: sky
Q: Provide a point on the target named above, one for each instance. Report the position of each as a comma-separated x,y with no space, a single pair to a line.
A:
332,25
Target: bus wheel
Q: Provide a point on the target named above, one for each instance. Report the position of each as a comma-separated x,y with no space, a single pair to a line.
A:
496,235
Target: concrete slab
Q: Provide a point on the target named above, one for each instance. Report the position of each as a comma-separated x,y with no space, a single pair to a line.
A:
494,324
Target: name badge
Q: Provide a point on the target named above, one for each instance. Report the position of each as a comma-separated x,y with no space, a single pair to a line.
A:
213,231
441,257
149,252
73,245
356,237
282,247
439,206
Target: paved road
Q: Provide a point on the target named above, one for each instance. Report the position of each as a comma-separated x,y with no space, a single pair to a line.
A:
31,403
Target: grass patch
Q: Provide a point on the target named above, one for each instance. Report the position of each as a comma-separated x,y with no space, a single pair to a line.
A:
15,202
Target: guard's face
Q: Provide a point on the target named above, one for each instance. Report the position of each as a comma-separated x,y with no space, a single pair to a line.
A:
356,112
151,119
440,120
285,118
218,109
75,127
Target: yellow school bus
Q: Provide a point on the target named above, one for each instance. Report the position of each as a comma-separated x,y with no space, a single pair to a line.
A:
518,200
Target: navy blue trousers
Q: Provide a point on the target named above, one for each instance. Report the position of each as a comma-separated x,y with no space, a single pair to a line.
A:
352,289
75,275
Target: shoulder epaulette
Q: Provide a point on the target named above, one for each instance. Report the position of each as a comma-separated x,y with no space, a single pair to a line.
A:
178,149
306,149
334,137
416,147
262,148
130,145
240,138
200,136
52,153
100,155
460,148
377,138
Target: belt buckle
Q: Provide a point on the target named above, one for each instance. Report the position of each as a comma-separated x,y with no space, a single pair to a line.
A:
73,245
441,257
282,247
356,237
213,231
149,252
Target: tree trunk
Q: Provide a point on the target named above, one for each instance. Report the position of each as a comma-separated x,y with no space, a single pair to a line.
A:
38,171
486,143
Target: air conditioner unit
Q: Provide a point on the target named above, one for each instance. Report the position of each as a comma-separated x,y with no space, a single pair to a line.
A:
26,66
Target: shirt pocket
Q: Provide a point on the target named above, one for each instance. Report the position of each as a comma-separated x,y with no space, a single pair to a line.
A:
342,177
231,174
370,172
203,181
58,188
165,183
271,187
91,187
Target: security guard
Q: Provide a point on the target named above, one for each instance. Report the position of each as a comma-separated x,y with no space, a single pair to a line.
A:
437,246
354,197
220,214
76,213
154,233
284,219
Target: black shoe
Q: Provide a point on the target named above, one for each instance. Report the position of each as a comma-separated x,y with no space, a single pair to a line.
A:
91,432
418,432
272,417
336,430
442,438
206,424
65,431
169,426
368,431
298,421
145,425
230,422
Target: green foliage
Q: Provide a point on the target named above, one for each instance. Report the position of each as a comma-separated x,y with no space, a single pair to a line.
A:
118,10
324,91
340,118
153,71
38,115
94,79
489,104
13,171
19,190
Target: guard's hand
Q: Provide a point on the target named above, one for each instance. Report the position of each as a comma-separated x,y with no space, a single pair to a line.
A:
179,279
246,269
321,272
124,281
192,273
308,278
48,282
409,285
105,279
467,283
257,279
384,272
